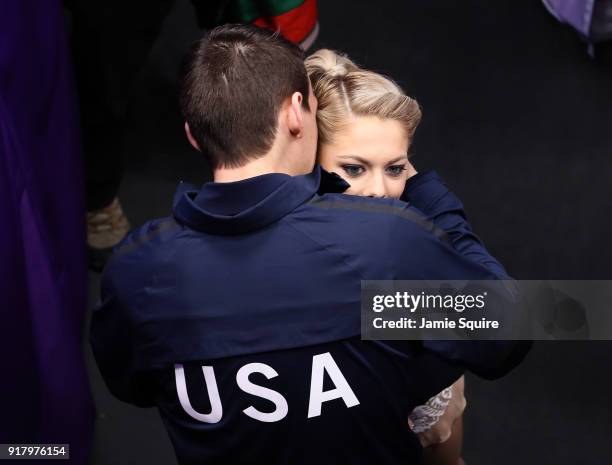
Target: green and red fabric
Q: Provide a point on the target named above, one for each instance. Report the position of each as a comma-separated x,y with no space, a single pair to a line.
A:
295,19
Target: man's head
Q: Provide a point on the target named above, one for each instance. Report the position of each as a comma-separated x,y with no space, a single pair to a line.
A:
246,101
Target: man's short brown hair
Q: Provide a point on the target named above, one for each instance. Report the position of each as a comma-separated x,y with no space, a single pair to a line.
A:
235,81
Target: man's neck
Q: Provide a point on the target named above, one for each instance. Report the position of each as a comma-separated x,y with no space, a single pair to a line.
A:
272,162
250,170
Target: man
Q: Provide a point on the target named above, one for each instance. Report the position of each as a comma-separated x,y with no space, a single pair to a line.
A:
239,316
111,41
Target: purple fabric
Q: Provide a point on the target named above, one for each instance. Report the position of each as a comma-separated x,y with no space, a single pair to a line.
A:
44,389
577,13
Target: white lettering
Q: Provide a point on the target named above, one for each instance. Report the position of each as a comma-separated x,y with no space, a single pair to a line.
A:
242,378
320,364
216,411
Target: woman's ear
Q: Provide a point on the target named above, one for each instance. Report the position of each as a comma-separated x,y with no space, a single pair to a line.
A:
295,119
190,138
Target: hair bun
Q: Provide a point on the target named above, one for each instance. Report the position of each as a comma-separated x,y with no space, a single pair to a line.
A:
330,64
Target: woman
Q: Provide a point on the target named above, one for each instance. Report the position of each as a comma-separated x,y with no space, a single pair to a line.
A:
366,124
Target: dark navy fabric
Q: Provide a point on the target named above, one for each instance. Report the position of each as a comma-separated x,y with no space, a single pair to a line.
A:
268,270
388,379
429,193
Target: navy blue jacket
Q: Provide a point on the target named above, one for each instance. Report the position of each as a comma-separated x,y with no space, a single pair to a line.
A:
239,318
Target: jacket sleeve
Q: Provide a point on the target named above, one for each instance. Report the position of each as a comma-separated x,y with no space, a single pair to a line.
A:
113,342
428,193
461,256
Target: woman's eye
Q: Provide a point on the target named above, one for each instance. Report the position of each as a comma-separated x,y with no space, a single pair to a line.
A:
396,170
353,170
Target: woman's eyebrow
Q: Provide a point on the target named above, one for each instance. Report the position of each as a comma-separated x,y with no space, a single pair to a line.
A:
356,158
367,162
400,158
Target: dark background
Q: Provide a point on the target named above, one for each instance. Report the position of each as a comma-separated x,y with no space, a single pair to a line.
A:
517,120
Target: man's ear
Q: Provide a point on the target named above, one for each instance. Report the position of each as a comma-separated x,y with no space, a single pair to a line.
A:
295,117
190,138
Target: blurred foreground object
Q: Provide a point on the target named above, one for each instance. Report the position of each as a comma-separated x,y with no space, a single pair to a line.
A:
591,18
45,391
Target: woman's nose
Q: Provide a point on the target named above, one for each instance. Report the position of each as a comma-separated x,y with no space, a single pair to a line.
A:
377,188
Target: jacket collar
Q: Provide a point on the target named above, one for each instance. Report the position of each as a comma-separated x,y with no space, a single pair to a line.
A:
243,206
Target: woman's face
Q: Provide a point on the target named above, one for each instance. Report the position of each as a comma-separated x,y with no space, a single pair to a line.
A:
371,154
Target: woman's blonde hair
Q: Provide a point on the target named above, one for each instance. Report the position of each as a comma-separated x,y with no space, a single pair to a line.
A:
343,90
